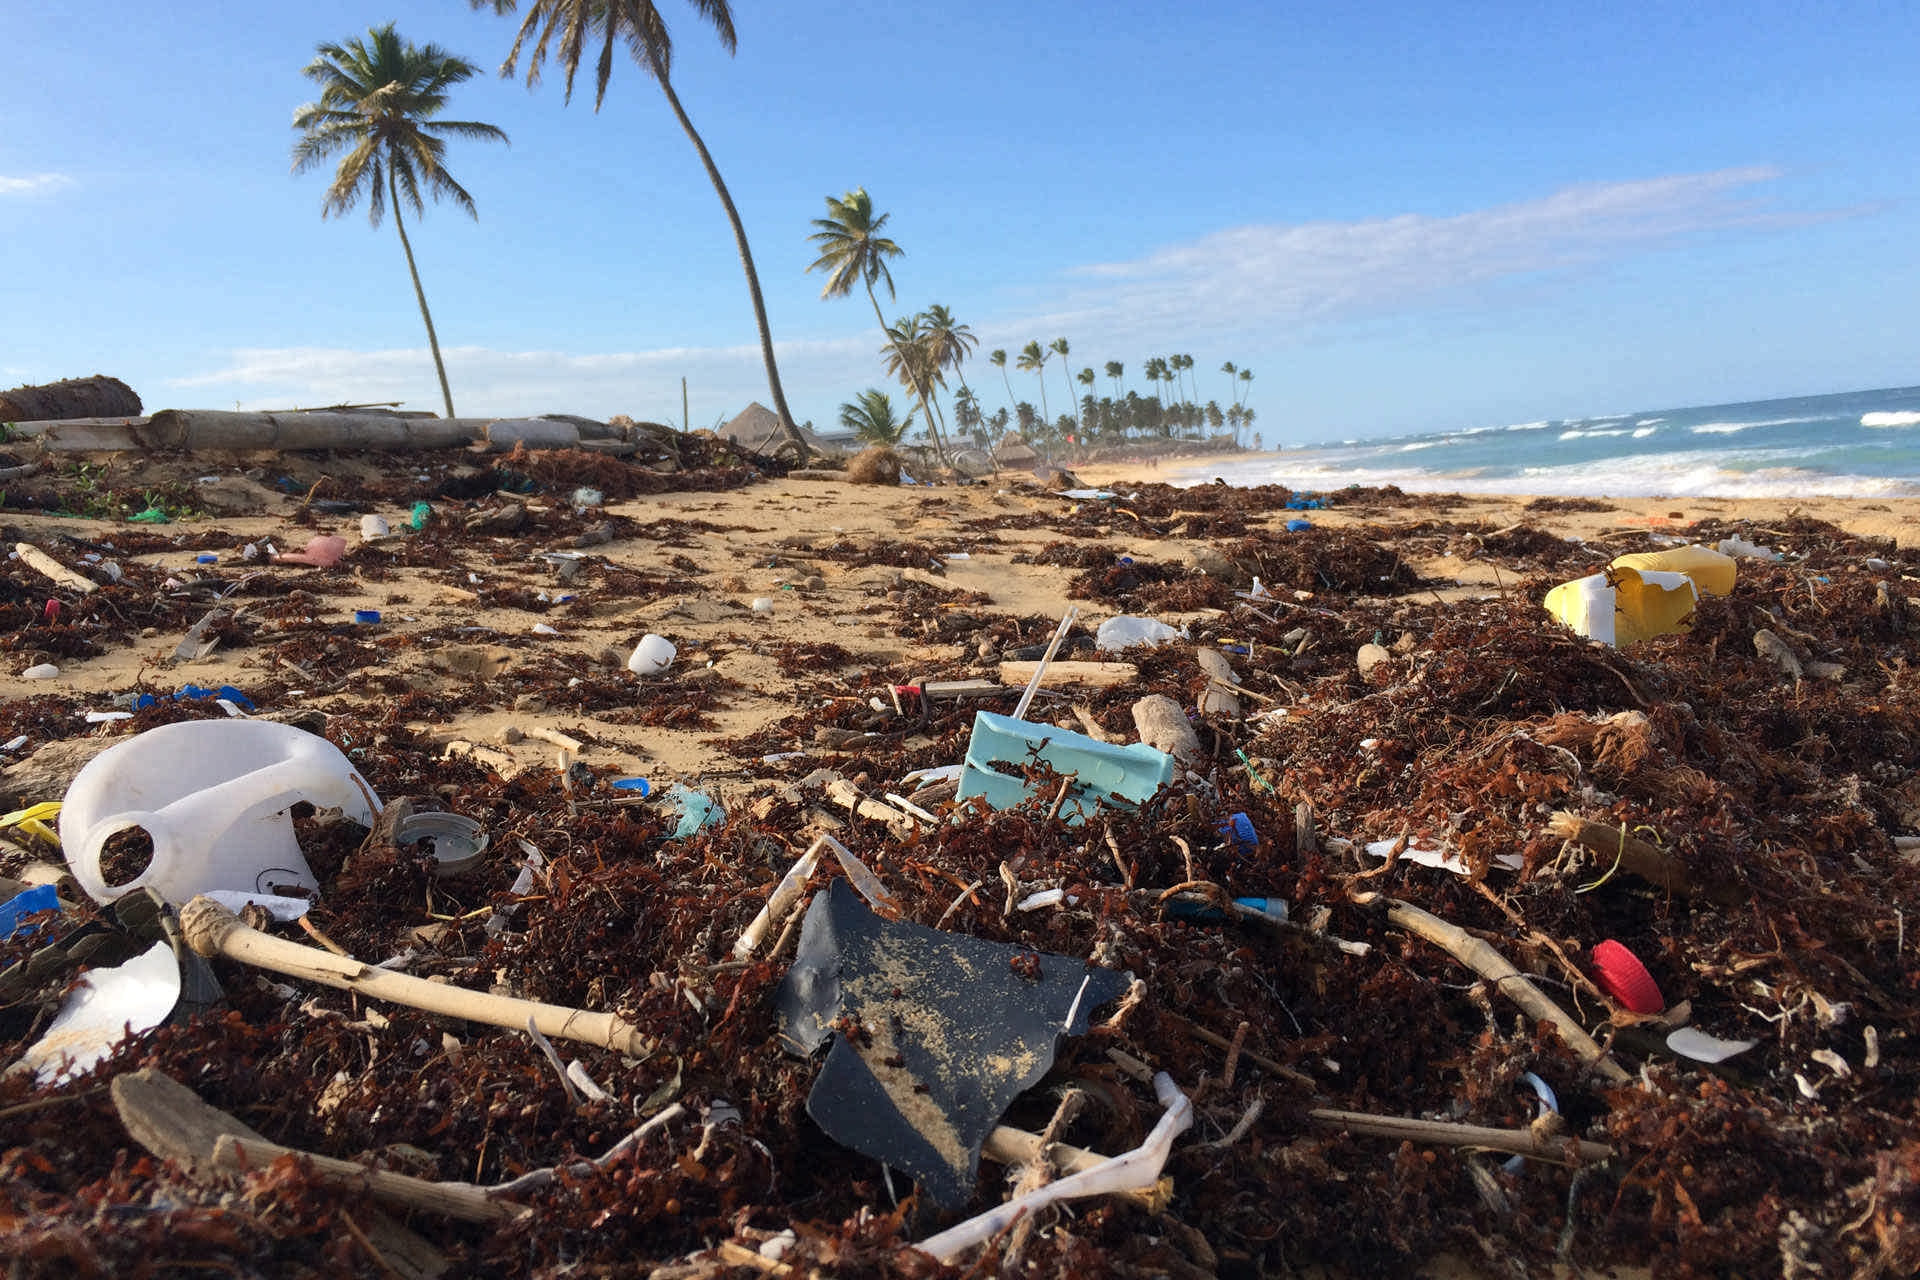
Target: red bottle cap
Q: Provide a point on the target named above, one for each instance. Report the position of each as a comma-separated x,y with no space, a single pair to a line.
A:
1623,977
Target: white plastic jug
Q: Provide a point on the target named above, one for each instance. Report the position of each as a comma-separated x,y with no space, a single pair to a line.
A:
651,656
213,795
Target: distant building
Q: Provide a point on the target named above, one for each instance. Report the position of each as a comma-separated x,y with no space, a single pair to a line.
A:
758,428
1014,454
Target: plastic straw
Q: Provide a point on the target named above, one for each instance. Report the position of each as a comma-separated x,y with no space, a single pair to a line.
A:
1040,672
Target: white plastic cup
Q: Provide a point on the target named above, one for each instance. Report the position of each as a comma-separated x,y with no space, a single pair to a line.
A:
651,656
372,526
762,605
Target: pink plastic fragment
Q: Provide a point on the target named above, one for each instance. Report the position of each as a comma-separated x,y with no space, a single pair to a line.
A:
323,551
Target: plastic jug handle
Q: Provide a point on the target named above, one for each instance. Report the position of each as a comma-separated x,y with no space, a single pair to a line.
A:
86,862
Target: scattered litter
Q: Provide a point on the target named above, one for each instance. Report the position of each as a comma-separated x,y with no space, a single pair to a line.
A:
1691,1042
653,655
1002,750
1623,977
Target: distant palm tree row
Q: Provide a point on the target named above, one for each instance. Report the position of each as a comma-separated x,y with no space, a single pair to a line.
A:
922,348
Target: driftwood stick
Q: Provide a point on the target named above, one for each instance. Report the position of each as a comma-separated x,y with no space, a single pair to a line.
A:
42,563
1523,1142
1265,1063
1516,986
212,930
1650,862
456,1200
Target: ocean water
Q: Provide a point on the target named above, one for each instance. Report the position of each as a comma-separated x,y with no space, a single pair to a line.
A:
1854,444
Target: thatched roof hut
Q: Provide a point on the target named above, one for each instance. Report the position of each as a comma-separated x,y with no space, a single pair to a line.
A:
95,397
1015,454
757,428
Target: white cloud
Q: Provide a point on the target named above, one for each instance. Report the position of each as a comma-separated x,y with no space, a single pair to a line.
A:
1303,275
33,184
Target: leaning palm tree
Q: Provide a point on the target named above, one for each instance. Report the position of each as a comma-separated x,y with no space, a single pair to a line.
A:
1059,347
869,416
378,100
1246,386
1032,359
1229,368
852,250
998,359
950,342
638,25
1115,370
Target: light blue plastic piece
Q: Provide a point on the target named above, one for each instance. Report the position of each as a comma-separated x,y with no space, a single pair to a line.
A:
1001,748
697,811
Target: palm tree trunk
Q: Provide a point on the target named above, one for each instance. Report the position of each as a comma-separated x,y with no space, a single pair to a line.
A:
1045,413
1011,401
393,195
787,425
939,445
1072,403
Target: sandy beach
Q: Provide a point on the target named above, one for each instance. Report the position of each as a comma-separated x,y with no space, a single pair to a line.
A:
1396,685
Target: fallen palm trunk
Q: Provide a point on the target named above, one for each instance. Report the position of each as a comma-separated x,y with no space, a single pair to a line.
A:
213,429
212,930
94,397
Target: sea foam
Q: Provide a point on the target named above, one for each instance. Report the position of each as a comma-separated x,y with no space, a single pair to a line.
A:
1906,418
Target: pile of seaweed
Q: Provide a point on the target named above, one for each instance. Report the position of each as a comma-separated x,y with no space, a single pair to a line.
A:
1744,826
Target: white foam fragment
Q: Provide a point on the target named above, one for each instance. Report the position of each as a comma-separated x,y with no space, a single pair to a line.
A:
106,1007
1439,858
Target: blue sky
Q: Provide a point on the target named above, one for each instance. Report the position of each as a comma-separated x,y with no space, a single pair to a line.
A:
1401,216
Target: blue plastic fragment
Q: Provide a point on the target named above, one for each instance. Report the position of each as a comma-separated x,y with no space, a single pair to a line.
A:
1238,831
42,897
697,811
1103,774
190,692
1299,526
641,785
1188,909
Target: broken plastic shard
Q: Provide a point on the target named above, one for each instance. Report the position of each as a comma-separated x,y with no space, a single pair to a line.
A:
1691,1042
946,1031
105,1007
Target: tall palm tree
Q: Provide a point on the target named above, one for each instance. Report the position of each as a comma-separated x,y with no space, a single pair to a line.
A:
966,413
1246,386
1059,347
909,356
378,100
1032,359
853,250
998,359
869,416
638,25
1116,370
950,342
1229,369
1186,365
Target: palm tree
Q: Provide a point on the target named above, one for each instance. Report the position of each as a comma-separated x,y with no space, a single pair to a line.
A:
998,359
951,343
1032,359
1059,347
853,250
378,100
638,25
869,416
1186,365
966,413
1116,370
1229,369
910,358
1246,386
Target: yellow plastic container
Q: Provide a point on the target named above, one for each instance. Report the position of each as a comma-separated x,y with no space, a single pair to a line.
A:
1623,605
1711,571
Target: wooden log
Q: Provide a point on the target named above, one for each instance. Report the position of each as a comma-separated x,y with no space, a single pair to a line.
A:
213,429
85,435
1086,675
